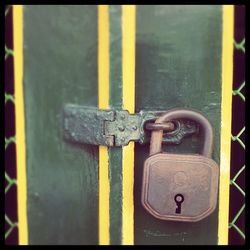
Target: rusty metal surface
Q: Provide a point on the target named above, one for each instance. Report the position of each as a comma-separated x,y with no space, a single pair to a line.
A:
193,176
169,126
124,128
91,125
85,125
207,129
183,128
180,187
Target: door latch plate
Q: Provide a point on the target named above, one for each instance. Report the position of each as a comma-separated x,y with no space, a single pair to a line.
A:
94,126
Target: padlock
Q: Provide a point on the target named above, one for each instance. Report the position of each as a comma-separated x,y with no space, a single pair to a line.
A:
180,187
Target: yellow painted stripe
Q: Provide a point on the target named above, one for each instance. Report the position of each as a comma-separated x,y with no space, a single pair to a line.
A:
128,95
226,110
103,103
20,125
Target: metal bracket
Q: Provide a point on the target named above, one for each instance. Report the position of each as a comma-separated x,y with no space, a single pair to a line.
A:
115,127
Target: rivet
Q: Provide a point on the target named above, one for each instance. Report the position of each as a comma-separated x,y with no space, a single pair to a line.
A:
134,127
121,128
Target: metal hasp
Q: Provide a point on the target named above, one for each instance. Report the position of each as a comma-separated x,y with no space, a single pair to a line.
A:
91,125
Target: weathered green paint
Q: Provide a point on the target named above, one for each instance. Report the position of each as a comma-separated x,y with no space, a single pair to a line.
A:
178,64
60,66
115,176
115,101
115,50
110,127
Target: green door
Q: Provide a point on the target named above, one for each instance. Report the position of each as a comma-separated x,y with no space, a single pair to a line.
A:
124,58
60,51
178,58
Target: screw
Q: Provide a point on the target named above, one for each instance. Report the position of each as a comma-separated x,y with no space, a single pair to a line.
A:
122,116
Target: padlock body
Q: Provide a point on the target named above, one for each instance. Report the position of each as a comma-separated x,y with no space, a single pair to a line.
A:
195,177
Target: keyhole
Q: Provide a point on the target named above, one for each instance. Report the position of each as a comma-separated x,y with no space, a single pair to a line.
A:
179,198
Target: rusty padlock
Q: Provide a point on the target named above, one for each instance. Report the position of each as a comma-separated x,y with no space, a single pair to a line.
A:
180,187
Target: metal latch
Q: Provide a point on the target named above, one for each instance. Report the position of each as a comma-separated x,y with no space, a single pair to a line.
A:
91,125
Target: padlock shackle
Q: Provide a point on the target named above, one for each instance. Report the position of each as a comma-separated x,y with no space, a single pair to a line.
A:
171,115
